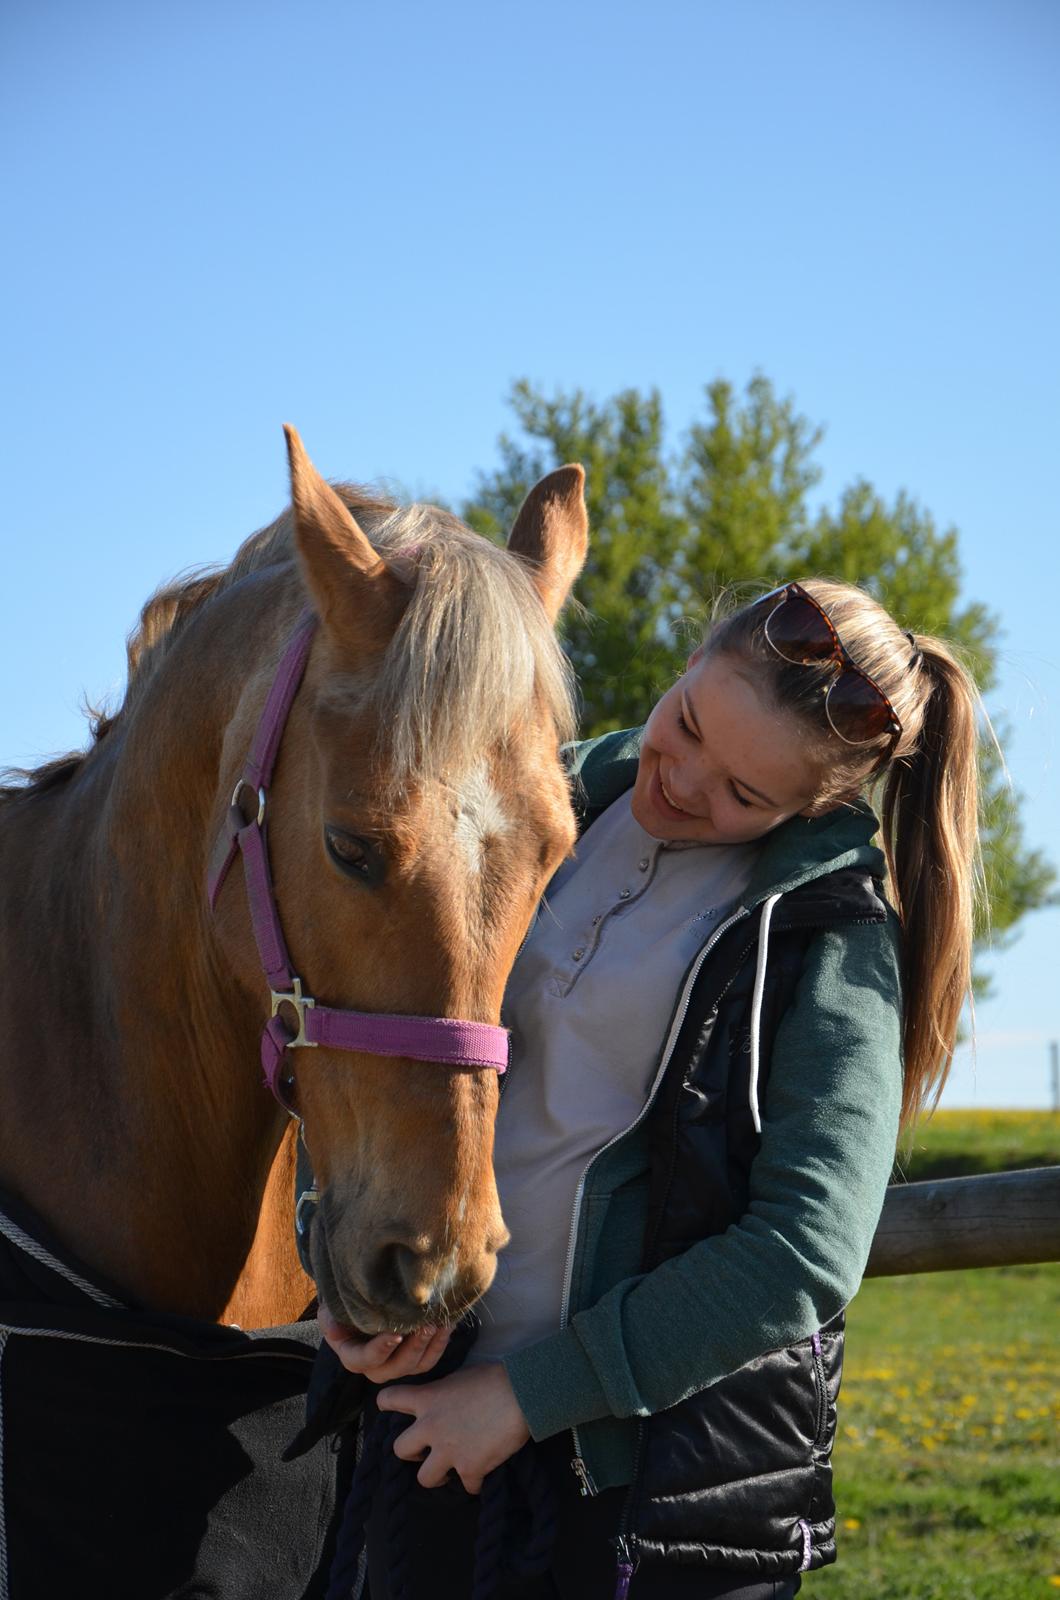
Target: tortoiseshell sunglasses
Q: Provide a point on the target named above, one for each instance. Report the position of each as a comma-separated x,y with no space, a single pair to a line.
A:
801,632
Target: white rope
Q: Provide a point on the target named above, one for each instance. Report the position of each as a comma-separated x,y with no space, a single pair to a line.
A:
26,1243
756,1004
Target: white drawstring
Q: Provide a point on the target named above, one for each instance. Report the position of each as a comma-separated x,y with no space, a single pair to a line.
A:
756,1004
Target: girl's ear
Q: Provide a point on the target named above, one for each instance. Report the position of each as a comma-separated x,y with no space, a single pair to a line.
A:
697,655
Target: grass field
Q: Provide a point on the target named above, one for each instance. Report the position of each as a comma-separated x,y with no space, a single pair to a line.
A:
956,1142
947,1463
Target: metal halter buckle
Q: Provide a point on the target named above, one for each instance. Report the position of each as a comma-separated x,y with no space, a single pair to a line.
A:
301,1003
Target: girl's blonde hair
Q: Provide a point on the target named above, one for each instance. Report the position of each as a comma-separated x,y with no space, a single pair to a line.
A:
926,789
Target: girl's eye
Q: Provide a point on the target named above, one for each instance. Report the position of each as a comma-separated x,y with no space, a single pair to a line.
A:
682,724
738,796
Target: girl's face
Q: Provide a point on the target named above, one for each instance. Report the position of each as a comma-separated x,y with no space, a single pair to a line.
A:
717,764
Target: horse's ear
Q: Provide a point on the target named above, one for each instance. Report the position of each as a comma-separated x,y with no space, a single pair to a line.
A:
551,534
356,595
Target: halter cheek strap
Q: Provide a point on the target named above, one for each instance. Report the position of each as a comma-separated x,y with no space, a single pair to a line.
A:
297,1021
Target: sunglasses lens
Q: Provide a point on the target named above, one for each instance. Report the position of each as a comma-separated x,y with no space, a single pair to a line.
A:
800,633
856,709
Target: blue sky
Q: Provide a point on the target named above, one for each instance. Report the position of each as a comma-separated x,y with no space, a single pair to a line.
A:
370,219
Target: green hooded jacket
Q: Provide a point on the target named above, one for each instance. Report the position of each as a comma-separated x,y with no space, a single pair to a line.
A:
633,1343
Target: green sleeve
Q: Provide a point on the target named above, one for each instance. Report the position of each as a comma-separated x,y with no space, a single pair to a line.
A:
829,1130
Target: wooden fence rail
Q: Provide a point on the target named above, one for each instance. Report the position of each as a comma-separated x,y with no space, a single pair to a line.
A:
993,1219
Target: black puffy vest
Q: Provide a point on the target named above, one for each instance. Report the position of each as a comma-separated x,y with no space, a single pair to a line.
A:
738,1476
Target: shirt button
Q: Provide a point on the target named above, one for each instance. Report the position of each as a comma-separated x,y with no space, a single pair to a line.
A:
625,894
576,955
643,863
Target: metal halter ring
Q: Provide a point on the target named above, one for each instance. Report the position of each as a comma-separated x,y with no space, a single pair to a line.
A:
240,786
308,1201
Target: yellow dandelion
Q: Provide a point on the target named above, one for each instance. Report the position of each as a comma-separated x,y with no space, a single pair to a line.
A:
853,1523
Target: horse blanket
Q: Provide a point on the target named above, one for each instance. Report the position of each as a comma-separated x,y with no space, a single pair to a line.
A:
141,1454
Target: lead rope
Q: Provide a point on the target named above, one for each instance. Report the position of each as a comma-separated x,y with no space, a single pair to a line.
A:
521,1482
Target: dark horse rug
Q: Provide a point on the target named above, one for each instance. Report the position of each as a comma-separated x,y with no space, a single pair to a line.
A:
141,1454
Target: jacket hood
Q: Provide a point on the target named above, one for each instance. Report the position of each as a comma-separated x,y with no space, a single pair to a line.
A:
801,849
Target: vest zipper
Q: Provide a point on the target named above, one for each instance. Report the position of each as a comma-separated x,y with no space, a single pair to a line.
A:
578,1467
624,1540
822,1389
627,1566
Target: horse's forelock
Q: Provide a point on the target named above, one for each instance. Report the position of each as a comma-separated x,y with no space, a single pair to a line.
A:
474,657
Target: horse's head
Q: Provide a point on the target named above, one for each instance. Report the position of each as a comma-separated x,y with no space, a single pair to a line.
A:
417,812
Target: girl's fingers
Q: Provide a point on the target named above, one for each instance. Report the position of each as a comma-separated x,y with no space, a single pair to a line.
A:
385,1356
434,1472
408,1401
417,1353
368,1356
357,1354
336,1333
412,1355
432,1349
432,1477
411,1444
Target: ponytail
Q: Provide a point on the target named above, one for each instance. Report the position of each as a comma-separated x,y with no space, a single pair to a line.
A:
931,838
926,787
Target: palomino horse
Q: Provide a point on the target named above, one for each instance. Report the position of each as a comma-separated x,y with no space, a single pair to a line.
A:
416,811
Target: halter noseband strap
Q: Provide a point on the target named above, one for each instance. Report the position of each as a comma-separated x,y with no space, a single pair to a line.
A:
447,1040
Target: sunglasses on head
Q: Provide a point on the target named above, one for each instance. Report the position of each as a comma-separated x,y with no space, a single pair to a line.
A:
799,631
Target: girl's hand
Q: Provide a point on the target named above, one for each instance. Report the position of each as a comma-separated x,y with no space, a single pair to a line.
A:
387,1355
467,1423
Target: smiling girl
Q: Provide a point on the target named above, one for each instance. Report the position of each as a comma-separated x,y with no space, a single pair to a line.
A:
728,1005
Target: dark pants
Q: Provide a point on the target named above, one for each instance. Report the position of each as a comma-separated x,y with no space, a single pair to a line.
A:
439,1541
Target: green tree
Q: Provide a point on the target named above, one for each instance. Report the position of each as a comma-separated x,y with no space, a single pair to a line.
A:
671,527
617,636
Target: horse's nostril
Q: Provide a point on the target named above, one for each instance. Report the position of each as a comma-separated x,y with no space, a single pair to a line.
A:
399,1273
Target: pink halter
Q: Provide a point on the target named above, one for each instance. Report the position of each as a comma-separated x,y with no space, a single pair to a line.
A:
446,1040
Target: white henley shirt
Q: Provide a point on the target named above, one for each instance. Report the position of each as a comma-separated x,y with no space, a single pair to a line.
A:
588,1003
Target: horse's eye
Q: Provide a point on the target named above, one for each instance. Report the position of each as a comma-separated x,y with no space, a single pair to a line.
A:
358,858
